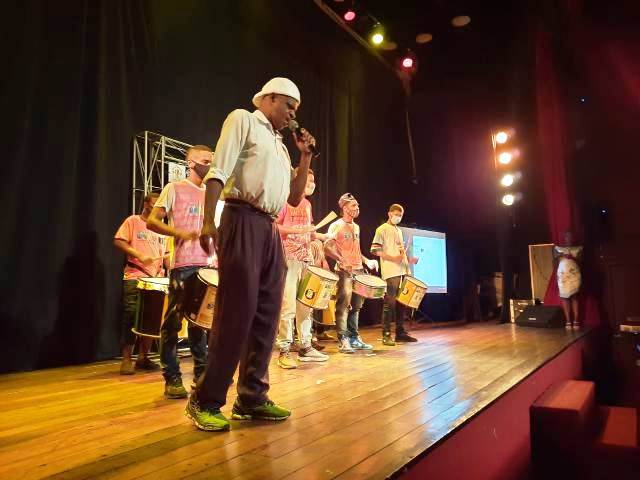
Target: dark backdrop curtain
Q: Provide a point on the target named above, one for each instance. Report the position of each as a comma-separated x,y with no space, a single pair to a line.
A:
82,77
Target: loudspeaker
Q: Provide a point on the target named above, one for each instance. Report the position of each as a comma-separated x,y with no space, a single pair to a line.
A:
541,316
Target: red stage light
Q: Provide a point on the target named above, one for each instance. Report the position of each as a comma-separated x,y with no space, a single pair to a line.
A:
349,15
407,62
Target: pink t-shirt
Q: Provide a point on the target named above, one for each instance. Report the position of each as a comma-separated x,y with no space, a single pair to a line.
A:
184,203
347,237
134,231
297,245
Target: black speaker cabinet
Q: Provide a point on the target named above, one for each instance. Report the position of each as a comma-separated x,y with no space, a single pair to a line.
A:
541,316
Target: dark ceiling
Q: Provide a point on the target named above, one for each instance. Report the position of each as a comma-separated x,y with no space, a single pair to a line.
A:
488,44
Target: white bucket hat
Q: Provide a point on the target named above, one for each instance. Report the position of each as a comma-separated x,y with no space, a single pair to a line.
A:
279,85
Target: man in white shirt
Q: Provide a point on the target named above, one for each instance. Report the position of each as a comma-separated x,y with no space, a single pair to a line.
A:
389,246
252,267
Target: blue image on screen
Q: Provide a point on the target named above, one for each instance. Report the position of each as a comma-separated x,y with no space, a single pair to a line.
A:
432,265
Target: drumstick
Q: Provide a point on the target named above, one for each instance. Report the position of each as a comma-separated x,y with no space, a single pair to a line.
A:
330,217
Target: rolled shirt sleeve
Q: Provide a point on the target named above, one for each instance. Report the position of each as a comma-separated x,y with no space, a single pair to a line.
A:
232,138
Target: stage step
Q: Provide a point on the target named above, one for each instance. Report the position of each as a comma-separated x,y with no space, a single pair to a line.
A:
563,422
565,409
616,450
620,427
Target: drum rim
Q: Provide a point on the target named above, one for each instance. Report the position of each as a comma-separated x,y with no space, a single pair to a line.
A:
412,279
204,280
382,284
314,269
154,280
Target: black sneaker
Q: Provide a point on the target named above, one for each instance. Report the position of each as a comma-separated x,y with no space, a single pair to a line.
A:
174,388
386,340
147,364
405,337
267,411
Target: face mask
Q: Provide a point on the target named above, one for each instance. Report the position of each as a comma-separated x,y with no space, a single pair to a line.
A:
396,219
310,189
201,170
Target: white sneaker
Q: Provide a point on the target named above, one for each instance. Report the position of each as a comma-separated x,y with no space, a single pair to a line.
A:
345,346
310,354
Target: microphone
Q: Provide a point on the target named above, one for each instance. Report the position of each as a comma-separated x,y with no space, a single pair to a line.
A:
294,126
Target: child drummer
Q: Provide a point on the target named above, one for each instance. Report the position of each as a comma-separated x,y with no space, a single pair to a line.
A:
145,253
295,225
389,246
183,203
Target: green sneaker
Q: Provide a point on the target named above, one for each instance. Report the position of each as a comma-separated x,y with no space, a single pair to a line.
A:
208,419
174,389
267,411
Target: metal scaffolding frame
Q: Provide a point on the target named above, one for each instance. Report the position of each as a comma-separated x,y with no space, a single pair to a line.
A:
152,155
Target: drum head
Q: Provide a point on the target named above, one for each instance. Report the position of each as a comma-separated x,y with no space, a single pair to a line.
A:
321,272
370,280
208,276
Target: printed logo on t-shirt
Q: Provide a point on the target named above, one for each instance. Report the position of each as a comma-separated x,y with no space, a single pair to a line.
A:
194,210
142,236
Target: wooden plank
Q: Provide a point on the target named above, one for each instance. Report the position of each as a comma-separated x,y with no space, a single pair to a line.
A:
352,416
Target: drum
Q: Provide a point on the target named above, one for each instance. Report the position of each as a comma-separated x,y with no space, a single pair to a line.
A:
316,287
200,298
152,304
368,286
328,317
329,314
411,291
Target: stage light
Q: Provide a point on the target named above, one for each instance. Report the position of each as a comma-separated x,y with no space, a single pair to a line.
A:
423,38
505,158
377,34
507,180
502,137
508,199
460,21
409,61
349,15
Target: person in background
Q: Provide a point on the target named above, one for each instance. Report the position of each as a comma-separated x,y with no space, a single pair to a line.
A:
569,278
182,202
296,228
388,245
145,252
344,246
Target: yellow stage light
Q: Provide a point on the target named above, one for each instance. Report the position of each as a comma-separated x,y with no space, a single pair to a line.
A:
505,158
507,180
502,137
508,199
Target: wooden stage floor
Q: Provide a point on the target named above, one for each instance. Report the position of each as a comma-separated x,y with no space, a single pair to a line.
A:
357,416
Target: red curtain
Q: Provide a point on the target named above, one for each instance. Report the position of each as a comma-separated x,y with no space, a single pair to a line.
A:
608,60
553,131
